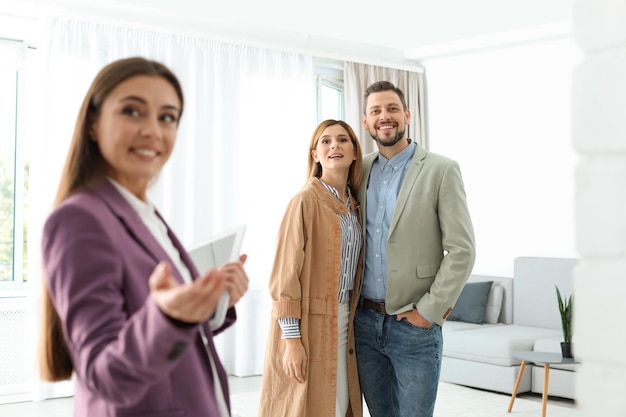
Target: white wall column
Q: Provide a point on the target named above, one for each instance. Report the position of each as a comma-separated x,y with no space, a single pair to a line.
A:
599,136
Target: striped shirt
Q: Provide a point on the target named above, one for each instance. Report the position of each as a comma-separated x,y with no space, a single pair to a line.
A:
351,242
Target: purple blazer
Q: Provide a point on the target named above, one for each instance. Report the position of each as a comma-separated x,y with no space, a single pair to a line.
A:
129,358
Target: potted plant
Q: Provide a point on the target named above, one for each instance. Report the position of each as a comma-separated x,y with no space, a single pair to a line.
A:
565,309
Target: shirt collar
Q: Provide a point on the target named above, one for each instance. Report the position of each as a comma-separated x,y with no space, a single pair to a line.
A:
334,191
399,159
141,207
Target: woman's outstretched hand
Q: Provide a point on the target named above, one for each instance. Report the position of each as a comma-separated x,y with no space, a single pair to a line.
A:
194,302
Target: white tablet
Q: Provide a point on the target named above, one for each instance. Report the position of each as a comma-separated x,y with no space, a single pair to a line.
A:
221,249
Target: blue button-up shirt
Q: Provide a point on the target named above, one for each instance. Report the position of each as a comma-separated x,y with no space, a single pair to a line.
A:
382,192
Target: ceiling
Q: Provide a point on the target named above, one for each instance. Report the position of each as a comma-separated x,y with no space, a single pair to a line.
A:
392,30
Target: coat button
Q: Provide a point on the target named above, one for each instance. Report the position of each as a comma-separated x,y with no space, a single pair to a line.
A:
176,351
351,351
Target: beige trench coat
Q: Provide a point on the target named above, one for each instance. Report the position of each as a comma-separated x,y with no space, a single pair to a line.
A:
305,284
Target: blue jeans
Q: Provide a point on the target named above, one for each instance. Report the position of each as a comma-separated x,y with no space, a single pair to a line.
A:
398,364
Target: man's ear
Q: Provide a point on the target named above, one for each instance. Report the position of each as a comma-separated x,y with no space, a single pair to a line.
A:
364,120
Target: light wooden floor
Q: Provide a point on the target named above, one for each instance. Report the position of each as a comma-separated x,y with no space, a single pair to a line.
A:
453,400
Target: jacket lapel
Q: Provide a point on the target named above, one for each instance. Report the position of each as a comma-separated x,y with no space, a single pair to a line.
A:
412,172
333,203
184,255
137,229
368,161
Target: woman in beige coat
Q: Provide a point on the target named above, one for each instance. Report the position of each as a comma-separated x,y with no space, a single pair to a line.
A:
310,363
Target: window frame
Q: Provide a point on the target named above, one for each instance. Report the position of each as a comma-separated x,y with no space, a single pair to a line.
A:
17,60
329,75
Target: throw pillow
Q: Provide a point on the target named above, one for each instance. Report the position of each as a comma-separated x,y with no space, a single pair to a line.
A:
494,303
472,303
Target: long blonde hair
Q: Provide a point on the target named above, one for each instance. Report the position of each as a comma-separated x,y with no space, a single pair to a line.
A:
83,167
356,169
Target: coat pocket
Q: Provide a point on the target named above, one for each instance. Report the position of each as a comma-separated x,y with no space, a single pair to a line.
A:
318,336
427,271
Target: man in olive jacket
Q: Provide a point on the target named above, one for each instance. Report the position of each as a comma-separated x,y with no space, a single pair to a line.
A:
419,252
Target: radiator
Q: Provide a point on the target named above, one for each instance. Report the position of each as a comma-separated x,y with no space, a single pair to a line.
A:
16,350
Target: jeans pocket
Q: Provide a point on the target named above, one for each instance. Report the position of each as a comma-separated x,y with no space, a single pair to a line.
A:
414,326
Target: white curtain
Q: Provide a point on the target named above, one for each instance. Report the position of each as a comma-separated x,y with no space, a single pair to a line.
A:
357,77
248,111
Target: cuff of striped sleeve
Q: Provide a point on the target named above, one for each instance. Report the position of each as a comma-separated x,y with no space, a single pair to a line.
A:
290,327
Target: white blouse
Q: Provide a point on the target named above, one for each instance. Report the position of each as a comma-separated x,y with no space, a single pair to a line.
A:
155,225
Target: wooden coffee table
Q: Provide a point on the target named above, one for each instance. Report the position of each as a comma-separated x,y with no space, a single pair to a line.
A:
545,358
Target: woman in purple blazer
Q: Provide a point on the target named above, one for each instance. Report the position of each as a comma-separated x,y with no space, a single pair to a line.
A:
124,307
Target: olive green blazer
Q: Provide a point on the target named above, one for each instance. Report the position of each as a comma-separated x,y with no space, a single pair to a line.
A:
430,247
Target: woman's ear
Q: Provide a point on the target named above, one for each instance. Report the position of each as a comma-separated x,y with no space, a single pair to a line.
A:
92,130
314,155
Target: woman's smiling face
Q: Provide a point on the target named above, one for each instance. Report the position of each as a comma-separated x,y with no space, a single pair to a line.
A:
136,130
334,149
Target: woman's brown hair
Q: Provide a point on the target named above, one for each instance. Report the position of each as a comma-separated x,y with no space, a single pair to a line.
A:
315,168
83,167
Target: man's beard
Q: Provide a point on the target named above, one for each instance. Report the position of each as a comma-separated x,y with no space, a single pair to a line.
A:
390,142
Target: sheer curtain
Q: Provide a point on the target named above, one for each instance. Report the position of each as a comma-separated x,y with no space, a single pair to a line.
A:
357,77
248,111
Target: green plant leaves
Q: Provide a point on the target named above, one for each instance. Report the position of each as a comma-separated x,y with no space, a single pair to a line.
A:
565,309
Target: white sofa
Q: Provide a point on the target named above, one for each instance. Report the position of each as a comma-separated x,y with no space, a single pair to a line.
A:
481,355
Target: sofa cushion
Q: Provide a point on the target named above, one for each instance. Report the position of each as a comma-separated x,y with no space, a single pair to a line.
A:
485,376
472,303
506,307
494,303
453,326
493,344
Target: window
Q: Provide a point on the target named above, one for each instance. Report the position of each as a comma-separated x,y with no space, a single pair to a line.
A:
13,169
16,361
330,100
329,90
